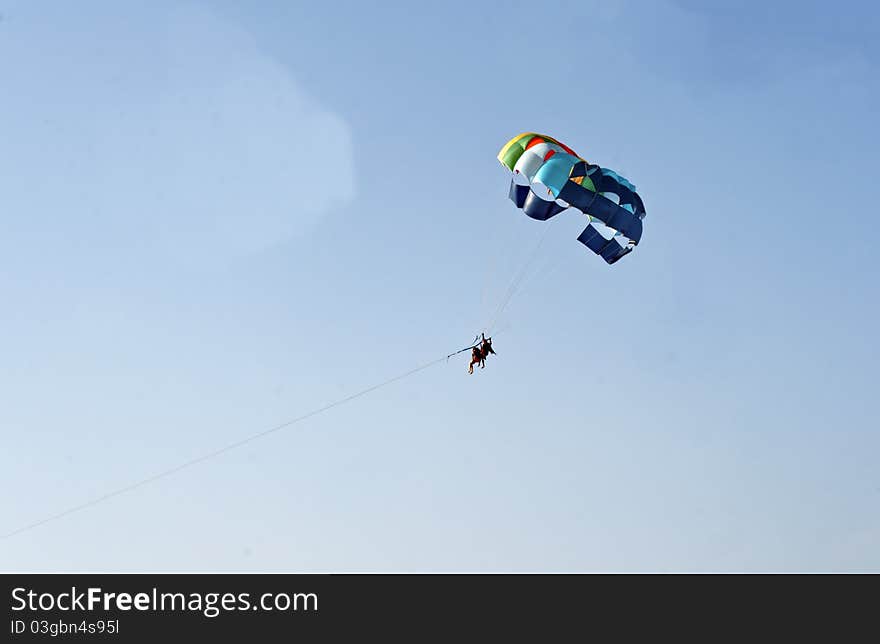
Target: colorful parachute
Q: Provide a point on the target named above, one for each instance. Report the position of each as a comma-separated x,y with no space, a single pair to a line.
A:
549,177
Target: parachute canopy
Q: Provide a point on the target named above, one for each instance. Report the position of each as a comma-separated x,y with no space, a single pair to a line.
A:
549,177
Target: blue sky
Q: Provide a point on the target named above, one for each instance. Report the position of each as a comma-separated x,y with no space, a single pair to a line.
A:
217,217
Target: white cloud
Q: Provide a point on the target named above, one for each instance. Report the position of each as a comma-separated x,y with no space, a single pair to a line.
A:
168,129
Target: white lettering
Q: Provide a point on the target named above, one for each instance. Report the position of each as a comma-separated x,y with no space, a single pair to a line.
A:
22,603
142,601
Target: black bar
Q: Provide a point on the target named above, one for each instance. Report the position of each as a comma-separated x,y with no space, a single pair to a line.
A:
420,607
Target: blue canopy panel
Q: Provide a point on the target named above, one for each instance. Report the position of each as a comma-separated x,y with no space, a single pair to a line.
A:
533,205
556,171
626,197
602,208
622,181
518,193
610,250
